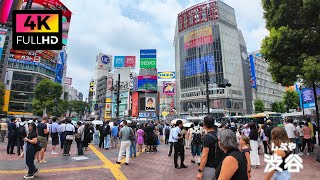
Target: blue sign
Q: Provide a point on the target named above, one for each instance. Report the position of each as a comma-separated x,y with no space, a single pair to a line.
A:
119,61
31,63
196,66
146,115
253,73
60,67
105,59
148,53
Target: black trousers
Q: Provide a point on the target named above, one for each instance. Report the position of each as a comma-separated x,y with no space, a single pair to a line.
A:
166,139
30,153
67,146
101,143
266,147
170,148
62,139
11,144
80,147
304,142
178,151
20,144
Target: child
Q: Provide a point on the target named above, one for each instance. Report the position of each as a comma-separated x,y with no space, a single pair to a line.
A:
245,149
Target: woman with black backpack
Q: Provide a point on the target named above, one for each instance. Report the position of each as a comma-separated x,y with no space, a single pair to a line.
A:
31,151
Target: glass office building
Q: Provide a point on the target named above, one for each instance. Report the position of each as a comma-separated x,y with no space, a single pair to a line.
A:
207,33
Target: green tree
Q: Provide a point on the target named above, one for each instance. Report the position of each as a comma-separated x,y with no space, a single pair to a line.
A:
2,92
79,107
258,106
291,100
47,96
277,107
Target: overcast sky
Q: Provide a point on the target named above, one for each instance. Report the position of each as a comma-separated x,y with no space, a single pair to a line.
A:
123,27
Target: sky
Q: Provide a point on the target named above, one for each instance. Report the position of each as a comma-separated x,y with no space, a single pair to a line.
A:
123,27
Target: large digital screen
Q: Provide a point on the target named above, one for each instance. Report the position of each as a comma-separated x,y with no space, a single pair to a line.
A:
147,83
54,5
196,66
3,34
5,7
198,37
168,88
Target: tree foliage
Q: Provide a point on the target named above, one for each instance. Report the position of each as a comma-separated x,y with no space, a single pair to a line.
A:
78,106
292,47
47,96
2,92
291,100
258,106
277,107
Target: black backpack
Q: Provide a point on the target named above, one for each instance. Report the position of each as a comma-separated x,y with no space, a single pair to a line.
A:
106,130
196,137
132,135
167,131
22,131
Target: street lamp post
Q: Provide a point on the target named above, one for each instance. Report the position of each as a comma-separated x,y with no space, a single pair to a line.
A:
301,97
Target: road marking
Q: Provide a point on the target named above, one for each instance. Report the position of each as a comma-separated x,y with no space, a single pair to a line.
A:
108,164
52,170
79,158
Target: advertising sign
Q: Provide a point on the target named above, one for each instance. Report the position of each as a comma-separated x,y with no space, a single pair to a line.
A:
197,14
53,5
68,81
196,66
124,61
253,72
135,99
104,61
198,38
109,83
31,63
130,61
147,83
148,58
150,104
60,67
168,88
198,42
166,75
119,62
5,7
308,97
91,86
3,34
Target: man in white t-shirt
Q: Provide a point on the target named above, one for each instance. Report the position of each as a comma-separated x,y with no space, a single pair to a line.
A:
291,131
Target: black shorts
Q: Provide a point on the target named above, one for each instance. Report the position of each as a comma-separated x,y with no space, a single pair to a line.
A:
149,141
55,138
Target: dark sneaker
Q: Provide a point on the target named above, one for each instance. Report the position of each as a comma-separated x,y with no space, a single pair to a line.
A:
28,176
127,163
36,172
117,162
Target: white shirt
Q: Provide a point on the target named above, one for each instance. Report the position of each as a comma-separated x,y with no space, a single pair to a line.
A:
290,129
298,128
62,127
174,134
70,127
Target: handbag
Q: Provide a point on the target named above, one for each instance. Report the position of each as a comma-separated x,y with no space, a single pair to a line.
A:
69,137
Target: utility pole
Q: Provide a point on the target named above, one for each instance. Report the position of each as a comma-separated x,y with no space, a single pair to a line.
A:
317,107
118,96
207,87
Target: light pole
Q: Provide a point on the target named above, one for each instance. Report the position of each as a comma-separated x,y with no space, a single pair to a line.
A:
301,97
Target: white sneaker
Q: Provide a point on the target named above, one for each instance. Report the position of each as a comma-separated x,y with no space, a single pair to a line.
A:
301,154
54,153
308,154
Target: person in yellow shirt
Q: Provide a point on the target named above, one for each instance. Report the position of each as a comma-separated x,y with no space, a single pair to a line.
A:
312,134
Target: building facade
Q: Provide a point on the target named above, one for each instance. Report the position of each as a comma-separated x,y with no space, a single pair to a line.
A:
263,87
207,33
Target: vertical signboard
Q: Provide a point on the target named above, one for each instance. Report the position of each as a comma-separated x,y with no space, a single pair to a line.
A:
135,99
150,104
109,83
107,114
168,88
253,73
3,34
148,58
60,67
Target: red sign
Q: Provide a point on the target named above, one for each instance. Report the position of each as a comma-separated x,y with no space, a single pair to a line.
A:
109,83
25,57
198,42
197,14
130,61
135,99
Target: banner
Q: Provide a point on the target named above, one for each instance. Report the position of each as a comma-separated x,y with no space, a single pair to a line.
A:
166,75
119,62
168,88
60,67
196,66
135,99
54,5
253,72
124,61
148,58
130,61
3,34
150,104
147,83
109,83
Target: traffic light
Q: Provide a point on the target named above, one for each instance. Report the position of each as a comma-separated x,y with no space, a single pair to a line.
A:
131,76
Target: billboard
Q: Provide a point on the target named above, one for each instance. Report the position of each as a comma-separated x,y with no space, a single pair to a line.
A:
12,60
60,67
104,61
166,75
196,66
150,104
68,81
3,34
168,88
308,97
91,87
109,83
148,58
198,37
53,5
147,83
197,14
5,7
124,61
135,99
253,72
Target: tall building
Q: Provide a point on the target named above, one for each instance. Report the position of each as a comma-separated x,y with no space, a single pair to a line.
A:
72,94
207,33
263,87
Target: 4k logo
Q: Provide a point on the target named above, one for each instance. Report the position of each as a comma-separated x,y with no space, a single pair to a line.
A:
37,29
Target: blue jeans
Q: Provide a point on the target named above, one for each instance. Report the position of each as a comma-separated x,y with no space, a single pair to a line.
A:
133,149
284,175
196,149
96,138
107,141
